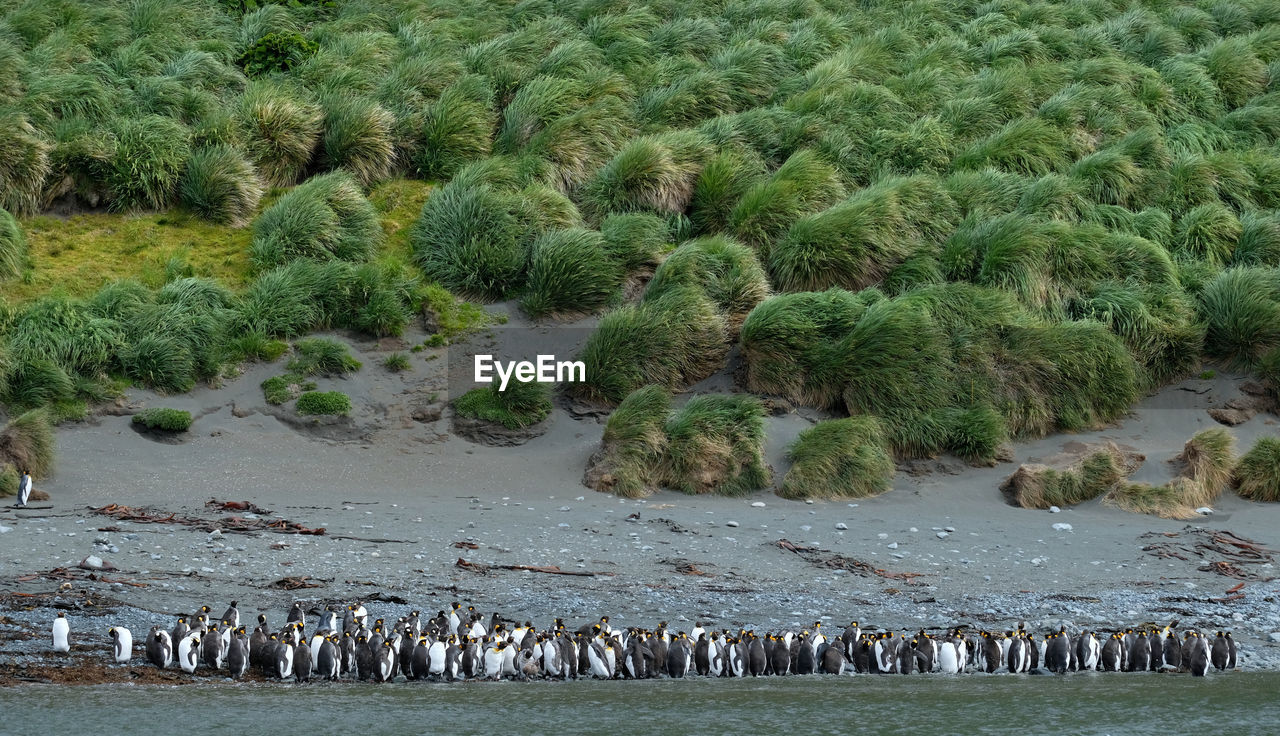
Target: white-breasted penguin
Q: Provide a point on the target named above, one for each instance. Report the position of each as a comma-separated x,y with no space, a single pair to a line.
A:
284,658
24,488
122,640
231,616
187,652
61,633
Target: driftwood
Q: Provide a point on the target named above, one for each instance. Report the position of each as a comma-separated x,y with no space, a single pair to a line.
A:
217,505
229,524
293,583
483,569
823,558
1223,552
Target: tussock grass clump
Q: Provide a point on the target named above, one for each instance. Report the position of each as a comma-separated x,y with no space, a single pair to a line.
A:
13,247
328,217
456,128
8,480
1257,475
1208,232
1027,146
635,240
1241,308
653,173
280,131
787,343
221,186
804,183
522,404
24,163
634,442
474,233
726,271
854,243
163,419
1205,470
673,340
333,403
570,272
715,444
1259,243
839,458
1035,486
27,443
150,156
322,356
359,136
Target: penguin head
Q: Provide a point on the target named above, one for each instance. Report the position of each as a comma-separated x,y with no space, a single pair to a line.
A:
182,619
61,614
233,604
111,631
262,618
205,609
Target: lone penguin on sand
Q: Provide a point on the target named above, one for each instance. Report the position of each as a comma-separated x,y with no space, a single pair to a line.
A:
24,489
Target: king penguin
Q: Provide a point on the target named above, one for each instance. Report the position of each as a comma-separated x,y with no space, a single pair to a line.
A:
187,654
24,488
237,654
159,647
302,662
1220,653
61,633
122,640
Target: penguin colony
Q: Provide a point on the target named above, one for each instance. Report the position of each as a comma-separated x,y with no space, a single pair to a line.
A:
463,645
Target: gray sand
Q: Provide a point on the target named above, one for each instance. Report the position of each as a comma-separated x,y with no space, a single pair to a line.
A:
386,475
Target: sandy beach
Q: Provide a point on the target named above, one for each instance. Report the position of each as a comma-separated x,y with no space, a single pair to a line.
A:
402,500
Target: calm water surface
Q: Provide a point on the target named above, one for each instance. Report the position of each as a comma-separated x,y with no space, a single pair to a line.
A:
1084,704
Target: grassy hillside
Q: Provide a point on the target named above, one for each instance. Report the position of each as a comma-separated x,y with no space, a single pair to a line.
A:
973,220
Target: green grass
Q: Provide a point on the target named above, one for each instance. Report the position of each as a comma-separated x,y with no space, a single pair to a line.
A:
521,405
728,273
278,390
221,186
13,247
324,402
77,255
322,356
839,458
1257,475
397,363
168,420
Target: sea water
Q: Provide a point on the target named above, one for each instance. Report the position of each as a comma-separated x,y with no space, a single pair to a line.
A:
1086,704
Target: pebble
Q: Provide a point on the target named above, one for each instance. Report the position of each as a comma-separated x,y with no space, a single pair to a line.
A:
564,508
93,562
1062,527
842,526
892,545
943,535
948,529
731,524
1274,637
809,501
758,504
1204,511
1055,510
882,535
5,529
913,530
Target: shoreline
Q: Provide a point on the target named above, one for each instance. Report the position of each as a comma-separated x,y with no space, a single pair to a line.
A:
398,476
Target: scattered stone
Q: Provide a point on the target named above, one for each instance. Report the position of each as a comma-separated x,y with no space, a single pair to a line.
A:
1055,510
92,562
5,529
809,501
892,545
842,526
758,504
943,535
1274,637
1062,527
427,414
731,524
1204,511
948,528
564,508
